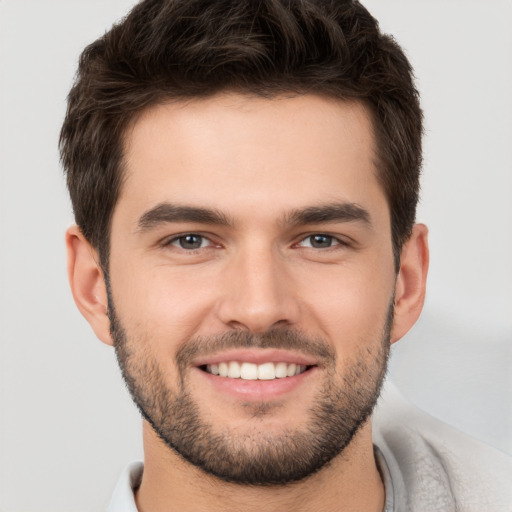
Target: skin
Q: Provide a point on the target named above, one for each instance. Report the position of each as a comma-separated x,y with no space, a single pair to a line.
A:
254,160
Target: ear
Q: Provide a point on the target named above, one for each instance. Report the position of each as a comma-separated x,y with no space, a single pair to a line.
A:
411,282
87,283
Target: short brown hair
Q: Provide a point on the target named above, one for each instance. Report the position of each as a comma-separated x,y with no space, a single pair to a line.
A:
172,49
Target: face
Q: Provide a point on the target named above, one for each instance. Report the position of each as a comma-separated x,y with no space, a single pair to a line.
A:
251,281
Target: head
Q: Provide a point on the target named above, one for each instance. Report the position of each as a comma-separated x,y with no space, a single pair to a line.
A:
244,179
164,51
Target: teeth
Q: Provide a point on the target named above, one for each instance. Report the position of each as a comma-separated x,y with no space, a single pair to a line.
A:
223,369
233,370
250,371
266,371
281,370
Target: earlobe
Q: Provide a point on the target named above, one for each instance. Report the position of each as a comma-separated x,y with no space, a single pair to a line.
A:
87,283
411,282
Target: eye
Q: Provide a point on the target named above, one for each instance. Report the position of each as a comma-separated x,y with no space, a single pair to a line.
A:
319,241
190,242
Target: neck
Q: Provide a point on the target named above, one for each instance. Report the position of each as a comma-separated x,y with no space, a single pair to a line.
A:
350,482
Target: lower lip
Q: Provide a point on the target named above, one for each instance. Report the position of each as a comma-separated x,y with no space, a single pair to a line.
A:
257,390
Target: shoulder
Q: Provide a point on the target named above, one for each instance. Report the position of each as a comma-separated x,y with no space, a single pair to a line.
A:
436,467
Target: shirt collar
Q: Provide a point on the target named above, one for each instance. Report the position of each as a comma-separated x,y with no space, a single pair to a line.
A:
123,499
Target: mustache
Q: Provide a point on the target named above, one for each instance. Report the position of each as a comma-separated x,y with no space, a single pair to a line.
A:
286,339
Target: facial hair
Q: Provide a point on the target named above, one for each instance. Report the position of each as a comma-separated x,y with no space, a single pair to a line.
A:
342,406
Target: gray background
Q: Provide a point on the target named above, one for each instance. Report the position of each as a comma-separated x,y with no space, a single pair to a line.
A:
67,426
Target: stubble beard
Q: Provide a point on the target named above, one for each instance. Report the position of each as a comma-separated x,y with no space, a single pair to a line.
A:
341,408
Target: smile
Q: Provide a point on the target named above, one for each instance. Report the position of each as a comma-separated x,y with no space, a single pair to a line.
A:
251,371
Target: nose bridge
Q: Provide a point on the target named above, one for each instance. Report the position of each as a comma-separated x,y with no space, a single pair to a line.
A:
259,292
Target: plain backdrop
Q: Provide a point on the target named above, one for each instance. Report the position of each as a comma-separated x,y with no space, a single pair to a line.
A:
68,426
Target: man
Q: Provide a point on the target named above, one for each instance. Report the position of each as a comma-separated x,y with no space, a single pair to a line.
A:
244,178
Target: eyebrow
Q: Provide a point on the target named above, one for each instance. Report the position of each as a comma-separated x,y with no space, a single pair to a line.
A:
335,212
168,212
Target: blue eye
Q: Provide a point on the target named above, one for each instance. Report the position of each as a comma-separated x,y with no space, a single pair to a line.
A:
319,241
190,242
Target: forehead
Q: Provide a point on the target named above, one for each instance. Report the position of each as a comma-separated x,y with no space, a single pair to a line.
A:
237,152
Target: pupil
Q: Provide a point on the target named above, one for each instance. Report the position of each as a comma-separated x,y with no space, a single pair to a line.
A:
321,241
190,242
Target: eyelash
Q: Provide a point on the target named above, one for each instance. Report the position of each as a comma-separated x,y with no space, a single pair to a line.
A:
334,241
176,240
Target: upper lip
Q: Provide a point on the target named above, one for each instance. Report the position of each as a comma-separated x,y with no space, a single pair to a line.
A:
256,356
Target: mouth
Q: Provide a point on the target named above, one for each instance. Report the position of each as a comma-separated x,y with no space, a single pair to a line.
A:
256,374
250,371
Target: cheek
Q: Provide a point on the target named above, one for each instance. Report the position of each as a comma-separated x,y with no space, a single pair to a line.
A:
164,304
350,305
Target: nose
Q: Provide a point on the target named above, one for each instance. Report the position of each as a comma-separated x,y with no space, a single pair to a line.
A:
259,292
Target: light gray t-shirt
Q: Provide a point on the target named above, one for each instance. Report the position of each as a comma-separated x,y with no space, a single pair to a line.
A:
425,465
